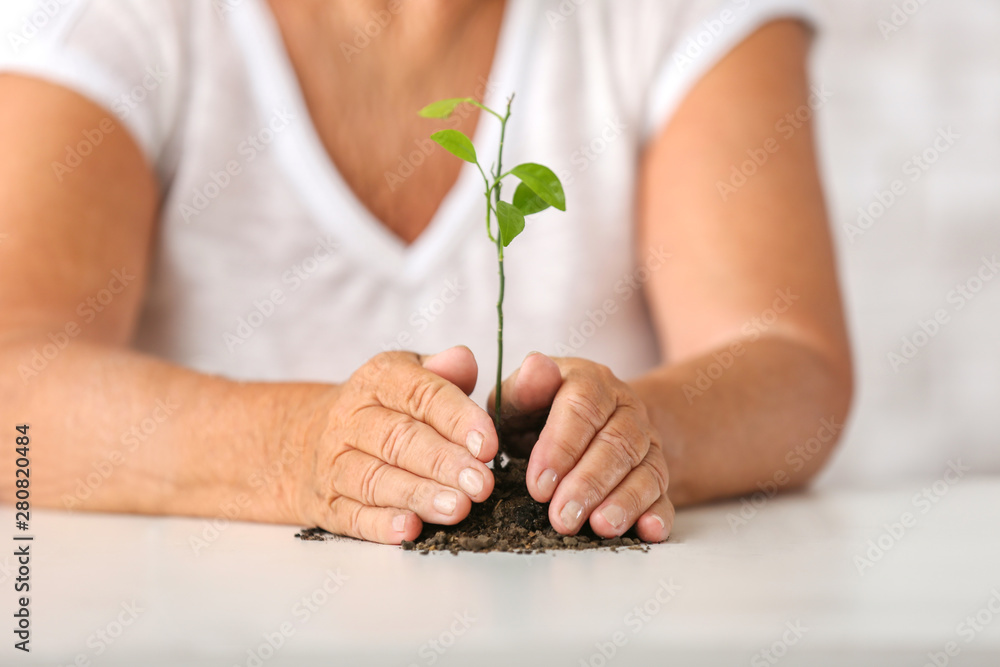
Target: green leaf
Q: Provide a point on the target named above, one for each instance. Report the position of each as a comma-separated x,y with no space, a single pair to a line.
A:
443,108
511,222
527,201
543,183
457,144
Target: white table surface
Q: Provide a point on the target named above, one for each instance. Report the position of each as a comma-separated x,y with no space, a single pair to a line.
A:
792,563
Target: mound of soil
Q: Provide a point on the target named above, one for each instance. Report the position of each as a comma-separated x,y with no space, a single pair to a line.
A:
509,520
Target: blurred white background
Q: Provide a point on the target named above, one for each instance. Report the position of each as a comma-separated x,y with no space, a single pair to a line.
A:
893,92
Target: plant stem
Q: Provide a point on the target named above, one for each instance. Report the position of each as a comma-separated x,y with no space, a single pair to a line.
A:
496,405
497,176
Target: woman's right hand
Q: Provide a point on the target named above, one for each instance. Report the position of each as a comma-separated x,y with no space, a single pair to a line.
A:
399,443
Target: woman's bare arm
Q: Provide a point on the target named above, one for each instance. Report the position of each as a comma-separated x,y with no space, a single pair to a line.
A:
748,305
747,308
115,430
150,436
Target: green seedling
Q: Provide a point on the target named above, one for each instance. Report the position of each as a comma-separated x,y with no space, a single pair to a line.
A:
539,188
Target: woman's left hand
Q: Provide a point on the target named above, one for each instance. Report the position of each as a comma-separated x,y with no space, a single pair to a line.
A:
597,456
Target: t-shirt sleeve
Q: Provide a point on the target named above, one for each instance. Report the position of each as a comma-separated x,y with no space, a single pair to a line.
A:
124,55
703,33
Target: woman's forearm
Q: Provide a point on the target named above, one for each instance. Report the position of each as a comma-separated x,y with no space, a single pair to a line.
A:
113,430
760,415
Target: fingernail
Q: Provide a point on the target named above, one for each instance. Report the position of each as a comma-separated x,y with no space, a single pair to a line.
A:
570,514
475,443
660,521
471,481
546,482
614,515
445,501
399,523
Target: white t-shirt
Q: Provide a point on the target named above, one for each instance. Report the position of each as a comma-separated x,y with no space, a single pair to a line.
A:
266,266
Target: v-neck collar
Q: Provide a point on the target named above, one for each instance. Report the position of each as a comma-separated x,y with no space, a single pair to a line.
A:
313,173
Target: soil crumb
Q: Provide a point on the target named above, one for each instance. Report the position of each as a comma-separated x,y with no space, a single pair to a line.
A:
510,520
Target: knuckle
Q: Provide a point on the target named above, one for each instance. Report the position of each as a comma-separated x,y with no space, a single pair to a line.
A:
631,402
417,496
371,478
452,421
399,434
585,407
421,395
382,362
354,521
594,486
658,471
628,447
371,369
334,483
440,463
633,501
380,367
604,373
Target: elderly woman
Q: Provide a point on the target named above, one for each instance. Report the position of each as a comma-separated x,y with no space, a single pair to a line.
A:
227,243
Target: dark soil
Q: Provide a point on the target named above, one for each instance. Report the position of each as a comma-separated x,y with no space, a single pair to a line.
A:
510,520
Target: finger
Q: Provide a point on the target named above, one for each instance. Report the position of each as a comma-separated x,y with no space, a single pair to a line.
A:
526,397
456,365
399,382
375,483
611,456
410,445
581,408
385,525
656,523
531,388
631,498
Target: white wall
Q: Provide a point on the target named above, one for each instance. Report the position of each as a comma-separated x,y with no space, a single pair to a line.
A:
890,96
